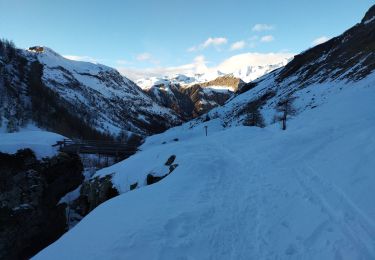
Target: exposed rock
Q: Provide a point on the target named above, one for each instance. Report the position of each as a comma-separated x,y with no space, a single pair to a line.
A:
172,167
93,193
350,56
36,49
204,99
170,160
30,218
153,178
370,14
190,101
133,186
226,80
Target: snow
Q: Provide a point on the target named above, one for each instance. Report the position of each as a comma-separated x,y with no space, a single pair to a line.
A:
220,89
369,20
246,73
37,140
100,92
245,192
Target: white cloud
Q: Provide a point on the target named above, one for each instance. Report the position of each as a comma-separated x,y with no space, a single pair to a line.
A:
209,42
122,62
199,65
237,45
214,41
320,40
81,58
267,38
242,60
191,49
144,56
259,27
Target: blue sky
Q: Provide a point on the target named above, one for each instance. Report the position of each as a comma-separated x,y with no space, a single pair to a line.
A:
145,34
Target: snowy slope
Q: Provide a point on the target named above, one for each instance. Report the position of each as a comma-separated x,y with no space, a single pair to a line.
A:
311,77
249,192
244,192
36,139
247,67
113,102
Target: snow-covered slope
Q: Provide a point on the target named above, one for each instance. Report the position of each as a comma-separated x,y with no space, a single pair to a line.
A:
195,94
31,137
309,78
248,192
244,192
114,101
247,73
77,99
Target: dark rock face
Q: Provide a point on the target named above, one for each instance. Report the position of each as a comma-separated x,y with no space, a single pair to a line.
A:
174,99
93,193
98,190
204,100
226,80
369,14
189,102
30,218
170,160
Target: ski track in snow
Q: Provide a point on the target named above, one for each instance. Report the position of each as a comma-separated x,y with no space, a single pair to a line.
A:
354,224
243,192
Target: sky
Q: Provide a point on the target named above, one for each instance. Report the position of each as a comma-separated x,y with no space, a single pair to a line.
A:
173,35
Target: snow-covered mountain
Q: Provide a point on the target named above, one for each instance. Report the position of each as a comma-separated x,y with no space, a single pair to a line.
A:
253,192
196,99
195,94
85,93
247,73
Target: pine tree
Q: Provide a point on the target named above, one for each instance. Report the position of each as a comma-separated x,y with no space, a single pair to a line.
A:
12,125
285,107
253,116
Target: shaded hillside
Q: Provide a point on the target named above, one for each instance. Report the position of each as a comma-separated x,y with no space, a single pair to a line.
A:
196,99
76,99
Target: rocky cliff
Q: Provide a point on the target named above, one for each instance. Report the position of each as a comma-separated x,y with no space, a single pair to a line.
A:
30,217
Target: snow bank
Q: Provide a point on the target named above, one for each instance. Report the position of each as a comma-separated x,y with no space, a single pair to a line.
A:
37,140
244,192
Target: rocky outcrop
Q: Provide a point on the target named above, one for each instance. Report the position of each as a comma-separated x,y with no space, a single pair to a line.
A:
227,80
97,190
154,178
190,101
172,96
93,193
204,98
30,217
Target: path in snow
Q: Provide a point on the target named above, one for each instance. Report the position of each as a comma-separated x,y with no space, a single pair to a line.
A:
244,193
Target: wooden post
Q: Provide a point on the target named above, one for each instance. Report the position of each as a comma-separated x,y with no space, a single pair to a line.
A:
205,127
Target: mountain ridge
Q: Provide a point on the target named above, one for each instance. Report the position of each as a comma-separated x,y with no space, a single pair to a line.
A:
229,180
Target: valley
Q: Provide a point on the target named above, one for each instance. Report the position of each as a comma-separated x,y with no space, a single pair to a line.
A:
266,160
